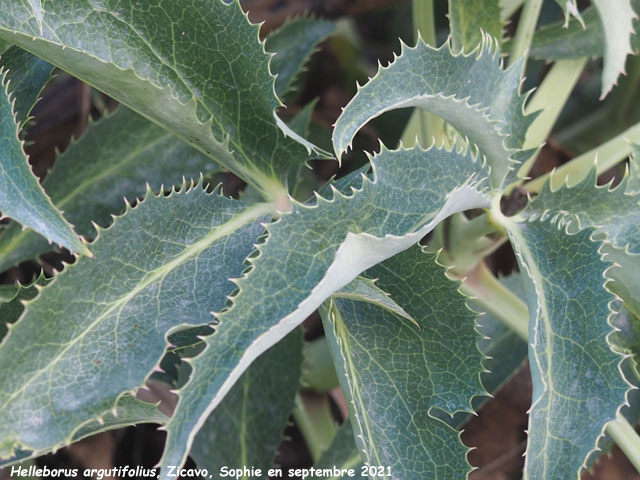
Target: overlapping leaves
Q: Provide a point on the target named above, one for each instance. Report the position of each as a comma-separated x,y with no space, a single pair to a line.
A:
470,91
313,251
107,317
396,374
196,68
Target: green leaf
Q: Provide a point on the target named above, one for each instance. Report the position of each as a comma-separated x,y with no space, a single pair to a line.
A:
129,411
365,290
36,8
107,318
557,41
613,212
617,18
293,44
247,427
21,196
197,68
313,251
395,375
11,306
342,454
27,75
471,92
573,367
468,19
127,152
504,351
607,29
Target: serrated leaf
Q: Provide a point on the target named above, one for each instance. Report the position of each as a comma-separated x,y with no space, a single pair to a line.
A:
558,41
342,454
570,8
613,212
11,306
468,19
313,251
395,375
504,352
617,18
127,152
573,367
293,44
21,196
470,91
363,289
247,427
129,411
107,317
27,75
197,69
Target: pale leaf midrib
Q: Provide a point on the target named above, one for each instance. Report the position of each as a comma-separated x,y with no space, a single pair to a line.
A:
248,215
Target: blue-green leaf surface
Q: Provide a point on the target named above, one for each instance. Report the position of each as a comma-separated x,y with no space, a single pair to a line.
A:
164,264
470,91
11,306
27,76
573,367
612,211
314,251
293,44
196,68
21,196
395,375
127,153
559,41
247,427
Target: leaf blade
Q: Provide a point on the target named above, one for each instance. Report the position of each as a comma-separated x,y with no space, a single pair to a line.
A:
21,196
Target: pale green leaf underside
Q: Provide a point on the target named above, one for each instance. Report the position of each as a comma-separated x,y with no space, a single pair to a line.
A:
471,92
247,427
573,367
21,196
197,68
469,18
27,76
127,152
395,375
313,251
293,44
342,454
107,318
617,18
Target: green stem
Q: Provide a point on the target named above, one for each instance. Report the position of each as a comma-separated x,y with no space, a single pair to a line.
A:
497,300
626,438
604,157
314,420
550,98
423,126
526,29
